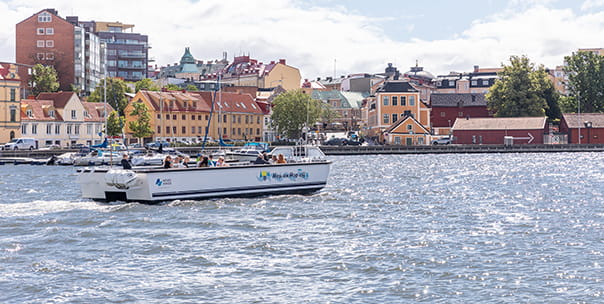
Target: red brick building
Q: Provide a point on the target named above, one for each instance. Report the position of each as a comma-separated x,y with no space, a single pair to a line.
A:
47,39
492,131
589,125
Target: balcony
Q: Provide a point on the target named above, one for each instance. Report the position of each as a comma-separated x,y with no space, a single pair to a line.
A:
131,55
130,67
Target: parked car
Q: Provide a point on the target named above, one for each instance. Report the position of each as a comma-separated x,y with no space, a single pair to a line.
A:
441,141
21,144
51,147
155,145
335,142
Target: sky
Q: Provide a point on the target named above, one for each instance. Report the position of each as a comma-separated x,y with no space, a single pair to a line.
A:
340,37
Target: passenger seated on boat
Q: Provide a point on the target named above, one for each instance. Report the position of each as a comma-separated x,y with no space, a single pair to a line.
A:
211,161
260,160
168,162
273,160
281,159
221,162
203,162
185,162
178,162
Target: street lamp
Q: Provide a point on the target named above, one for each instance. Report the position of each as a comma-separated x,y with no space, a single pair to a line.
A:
588,126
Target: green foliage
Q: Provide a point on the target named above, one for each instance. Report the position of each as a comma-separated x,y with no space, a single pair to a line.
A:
116,89
141,127
522,91
568,104
115,124
293,110
192,88
145,84
585,71
327,113
44,79
173,87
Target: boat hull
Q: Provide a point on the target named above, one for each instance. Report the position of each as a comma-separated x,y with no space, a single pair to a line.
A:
153,185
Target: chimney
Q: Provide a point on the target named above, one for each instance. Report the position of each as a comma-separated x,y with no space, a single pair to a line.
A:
282,61
476,68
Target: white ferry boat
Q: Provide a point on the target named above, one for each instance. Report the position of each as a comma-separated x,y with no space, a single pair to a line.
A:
306,171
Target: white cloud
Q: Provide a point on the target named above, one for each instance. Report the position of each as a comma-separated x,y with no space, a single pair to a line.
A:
590,4
310,38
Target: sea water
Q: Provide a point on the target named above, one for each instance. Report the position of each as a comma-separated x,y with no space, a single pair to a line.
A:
454,228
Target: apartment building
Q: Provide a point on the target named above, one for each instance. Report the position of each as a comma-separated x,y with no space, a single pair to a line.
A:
10,99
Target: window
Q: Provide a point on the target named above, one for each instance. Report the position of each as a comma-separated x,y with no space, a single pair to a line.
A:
167,130
385,100
40,43
442,114
89,129
234,119
86,114
199,130
158,129
50,56
48,129
13,114
51,113
68,129
184,130
174,130
225,131
485,82
233,131
29,113
192,117
34,129
192,130
386,118
224,118
184,117
44,17
24,129
168,116
40,31
474,82
397,140
409,127
73,114
403,100
238,131
50,31
77,129
411,100
40,56
394,100
50,43
239,119
247,119
394,117
174,117
460,114
158,116
57,129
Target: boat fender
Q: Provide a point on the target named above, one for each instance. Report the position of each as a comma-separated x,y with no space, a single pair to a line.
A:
120,178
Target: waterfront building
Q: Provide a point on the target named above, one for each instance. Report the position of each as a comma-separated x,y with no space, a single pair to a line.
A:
244,71
127,52
395,114
61,118
347,113
10,99
183,116
194,71
477,81
588,126
493,131
49,39
448,107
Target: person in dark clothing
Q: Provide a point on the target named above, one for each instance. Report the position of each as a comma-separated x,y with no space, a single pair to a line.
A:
161,148
126,164
168,162
260,160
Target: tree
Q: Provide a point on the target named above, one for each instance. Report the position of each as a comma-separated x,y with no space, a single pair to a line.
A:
191,87
141,127
522,90
43,79
585,71
327,113
173,87
292,110
115,124
116,90
145,84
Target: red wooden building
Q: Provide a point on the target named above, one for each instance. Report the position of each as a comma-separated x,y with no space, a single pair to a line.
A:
448,107
493,131
589,125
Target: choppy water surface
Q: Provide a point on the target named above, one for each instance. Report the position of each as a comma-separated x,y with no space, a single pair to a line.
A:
387,229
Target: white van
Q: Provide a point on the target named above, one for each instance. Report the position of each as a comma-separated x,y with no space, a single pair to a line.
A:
21,144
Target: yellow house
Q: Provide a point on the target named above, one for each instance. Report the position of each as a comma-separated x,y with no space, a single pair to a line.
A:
396,115
184,116
10,100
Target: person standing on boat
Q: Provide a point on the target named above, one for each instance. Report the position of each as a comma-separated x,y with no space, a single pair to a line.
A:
126,164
